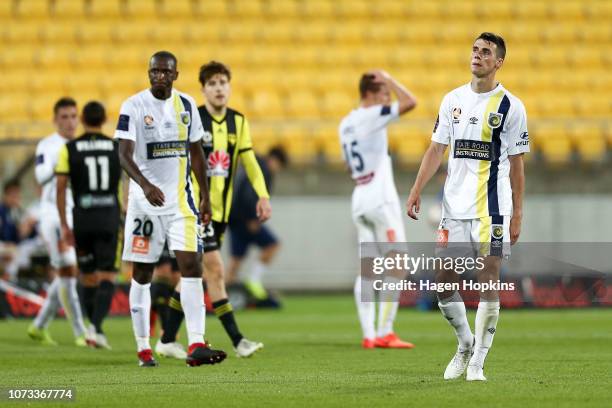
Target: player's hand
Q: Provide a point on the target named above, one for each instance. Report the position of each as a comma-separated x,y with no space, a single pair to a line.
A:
67,236
413,204
380,75
515,228
263,209
205,210
154,195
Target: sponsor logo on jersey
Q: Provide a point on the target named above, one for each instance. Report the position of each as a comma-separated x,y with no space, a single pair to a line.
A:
148,121
491,330
472,149
185,118
456,114
524,136
442,238
494,120
207,139
524,139
164,150
497,231
218,164
473,120
140,245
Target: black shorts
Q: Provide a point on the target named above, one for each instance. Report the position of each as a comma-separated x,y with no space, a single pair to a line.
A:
97,249
213,236
241,238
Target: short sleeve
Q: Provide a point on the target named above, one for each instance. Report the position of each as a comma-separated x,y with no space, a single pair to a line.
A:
126,126
197,130
441,130
382,115
63,164
516,130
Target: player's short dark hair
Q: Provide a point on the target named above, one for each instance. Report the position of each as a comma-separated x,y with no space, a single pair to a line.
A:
280,154
63,102
368,83
213,68
497,40
11,184
94,114
165,55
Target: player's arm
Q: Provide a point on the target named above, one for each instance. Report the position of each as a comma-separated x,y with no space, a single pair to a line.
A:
126,157
406,100
198,165
429,165
517,182
62,170
44,170
254,173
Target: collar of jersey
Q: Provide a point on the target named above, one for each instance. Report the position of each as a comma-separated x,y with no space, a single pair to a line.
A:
498,88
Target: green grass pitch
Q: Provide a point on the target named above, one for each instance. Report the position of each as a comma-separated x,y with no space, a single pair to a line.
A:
312,357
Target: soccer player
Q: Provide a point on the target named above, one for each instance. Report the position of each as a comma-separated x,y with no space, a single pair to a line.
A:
63,289
226,139
375,203
245,228
91,164
160,132
485,127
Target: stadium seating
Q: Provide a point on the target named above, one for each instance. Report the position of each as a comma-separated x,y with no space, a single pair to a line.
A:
296,62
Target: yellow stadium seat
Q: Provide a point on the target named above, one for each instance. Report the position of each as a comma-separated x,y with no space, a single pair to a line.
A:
170,32
17,57
85,82
336,104
302,57
599,10
318,9
352,9
179,9
594,105
409,142
326,136
141,9
382,33
560,33
94,34
237,101
15,82
13,109
556,105
550,56
212,9
589,141
302,105
587,57
240,34
40,107
6,10
247,8
53,33
338,57
264,135
20,33
526,10
136,32
366,58
105,8
424,10
32,9
93,57
391,8
195,33
458,10
298,140
276,34
268,57
268,105
347,34
232,56
568,10
282,9
522,33
595,32
406,57
68,9
316,33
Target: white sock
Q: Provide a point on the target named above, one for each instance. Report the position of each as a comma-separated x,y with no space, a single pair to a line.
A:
486,323
366,306
192,302
69,299
453,309
50,306
387,308
140,308
257,271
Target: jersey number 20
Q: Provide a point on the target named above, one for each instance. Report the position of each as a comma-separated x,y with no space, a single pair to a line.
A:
92,172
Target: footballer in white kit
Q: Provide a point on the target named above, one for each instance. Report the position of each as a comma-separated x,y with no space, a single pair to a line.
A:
63,289
376,207
159,132
485,128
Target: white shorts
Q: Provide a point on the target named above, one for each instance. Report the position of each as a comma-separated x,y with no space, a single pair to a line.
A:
381,225
145,235
50,231
482,236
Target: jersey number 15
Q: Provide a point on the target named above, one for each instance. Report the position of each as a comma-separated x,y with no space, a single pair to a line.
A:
352,156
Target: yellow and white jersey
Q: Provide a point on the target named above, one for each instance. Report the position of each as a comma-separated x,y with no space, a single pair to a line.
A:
47,154
162,131
482,130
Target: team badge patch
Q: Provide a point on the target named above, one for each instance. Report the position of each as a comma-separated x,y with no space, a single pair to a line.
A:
148,120
207,138
231,138
456,113
185,118
497,231
494,120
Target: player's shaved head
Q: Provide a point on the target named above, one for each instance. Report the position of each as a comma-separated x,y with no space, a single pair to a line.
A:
164,55
162,73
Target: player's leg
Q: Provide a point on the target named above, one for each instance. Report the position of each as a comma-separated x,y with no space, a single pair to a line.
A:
89,280
239,246
454,233
185,242
269,246
365,297
492,234
389,228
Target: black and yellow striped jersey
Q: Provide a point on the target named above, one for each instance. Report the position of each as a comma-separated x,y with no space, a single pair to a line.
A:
226,140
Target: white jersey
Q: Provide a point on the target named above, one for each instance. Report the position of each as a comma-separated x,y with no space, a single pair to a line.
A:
482,130
47,153
162,131
363,136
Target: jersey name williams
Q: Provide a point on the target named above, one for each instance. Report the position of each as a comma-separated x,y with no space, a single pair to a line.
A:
472,149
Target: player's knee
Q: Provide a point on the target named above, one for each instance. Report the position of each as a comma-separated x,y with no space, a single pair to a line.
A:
191,268
142,273
214,271
89,280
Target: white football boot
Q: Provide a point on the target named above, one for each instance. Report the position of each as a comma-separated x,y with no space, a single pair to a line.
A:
246,348
171,350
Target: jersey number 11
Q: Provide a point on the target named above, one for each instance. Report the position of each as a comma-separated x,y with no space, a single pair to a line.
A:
92,170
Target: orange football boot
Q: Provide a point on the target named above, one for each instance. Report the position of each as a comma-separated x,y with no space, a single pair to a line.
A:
392,341
368,344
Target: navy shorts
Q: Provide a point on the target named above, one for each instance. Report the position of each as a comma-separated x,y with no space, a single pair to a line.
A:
241,238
